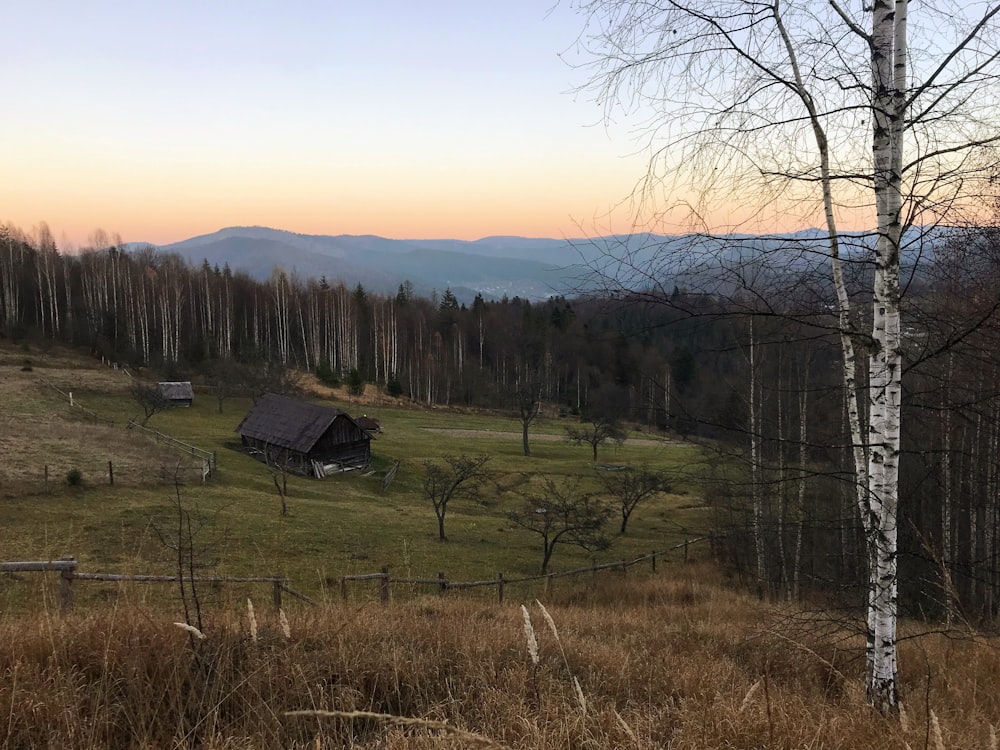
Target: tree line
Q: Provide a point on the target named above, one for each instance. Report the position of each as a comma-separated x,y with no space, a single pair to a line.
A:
739,357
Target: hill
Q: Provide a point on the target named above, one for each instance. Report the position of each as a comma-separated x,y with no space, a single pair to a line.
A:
343,525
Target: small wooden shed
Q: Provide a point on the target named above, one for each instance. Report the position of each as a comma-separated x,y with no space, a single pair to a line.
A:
304,437
369,424
178,393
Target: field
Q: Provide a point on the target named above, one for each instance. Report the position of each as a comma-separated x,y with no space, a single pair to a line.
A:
340,526
671,659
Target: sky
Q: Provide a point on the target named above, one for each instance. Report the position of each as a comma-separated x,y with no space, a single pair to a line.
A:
160,121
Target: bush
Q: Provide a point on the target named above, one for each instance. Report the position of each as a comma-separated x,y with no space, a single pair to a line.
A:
326,375
26,367
394,388
74,478
355,382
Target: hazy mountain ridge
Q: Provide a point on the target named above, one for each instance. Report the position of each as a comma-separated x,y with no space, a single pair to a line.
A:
493,266
530,267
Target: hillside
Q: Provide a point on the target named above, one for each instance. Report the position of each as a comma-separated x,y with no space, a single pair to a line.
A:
339,526
635,657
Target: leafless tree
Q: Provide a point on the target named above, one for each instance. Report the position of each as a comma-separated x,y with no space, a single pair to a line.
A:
528,395
631,487
150,399
595,432
278,466
460,477
825,109
561,514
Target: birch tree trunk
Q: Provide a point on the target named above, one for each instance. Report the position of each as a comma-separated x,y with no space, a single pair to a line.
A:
888,51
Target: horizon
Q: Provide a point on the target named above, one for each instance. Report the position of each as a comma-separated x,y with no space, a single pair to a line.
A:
322,120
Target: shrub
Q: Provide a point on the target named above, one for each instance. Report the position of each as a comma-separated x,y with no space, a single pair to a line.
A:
326,375
74,478
394,388
355,382
26,367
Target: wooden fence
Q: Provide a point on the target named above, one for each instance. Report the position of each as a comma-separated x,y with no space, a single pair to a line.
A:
442,583
68,573
89,413
208,458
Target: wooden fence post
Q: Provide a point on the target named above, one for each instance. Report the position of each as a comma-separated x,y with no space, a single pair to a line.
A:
111,474
46,478
443,583
276,593
653,558
66,584
383,587
685,550
343,588
500,584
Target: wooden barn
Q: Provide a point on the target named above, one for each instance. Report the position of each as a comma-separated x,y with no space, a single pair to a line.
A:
178,393
303,437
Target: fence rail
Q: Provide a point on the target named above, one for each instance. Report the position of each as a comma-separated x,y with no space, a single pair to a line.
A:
208,457
68,573
67,567
501,582
90,413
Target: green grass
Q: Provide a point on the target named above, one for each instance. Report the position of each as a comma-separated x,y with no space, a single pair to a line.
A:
335,527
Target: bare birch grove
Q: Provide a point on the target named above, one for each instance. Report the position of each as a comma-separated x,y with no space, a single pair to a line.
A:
811,107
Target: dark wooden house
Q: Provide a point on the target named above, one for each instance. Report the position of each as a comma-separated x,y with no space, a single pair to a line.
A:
303,437
178,393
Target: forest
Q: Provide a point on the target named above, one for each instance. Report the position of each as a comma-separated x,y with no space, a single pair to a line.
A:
730,352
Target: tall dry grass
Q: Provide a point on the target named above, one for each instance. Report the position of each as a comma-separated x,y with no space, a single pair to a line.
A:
663,663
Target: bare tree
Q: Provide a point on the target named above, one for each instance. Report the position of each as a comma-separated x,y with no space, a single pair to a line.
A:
461,476
278,466
529,403
561,514
631,487
150,399
773,99
595,432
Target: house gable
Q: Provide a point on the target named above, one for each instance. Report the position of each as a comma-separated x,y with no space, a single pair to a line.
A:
303,435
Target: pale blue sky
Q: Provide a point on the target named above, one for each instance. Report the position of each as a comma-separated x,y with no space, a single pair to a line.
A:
406,119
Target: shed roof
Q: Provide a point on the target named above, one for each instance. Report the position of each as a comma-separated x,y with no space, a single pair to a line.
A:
368,424
177,390
288,422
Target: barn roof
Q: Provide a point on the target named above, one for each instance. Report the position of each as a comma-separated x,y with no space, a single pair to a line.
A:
368,424
177,390
288,422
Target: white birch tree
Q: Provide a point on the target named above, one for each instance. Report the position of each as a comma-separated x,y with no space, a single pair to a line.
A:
835,112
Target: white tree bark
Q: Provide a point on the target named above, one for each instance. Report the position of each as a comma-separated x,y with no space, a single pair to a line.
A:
769,99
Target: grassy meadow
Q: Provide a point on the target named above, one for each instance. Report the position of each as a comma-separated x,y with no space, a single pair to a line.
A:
339,526
673,659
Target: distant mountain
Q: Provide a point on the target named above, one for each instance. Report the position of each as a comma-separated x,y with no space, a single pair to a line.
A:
494,266
531,268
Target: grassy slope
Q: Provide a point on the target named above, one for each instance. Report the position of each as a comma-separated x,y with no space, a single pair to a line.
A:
672,662
338,526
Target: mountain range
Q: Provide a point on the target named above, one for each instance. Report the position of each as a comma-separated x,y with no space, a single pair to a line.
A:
530,268
493,266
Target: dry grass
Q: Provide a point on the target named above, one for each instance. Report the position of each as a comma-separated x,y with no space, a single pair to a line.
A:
666,663
39,428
